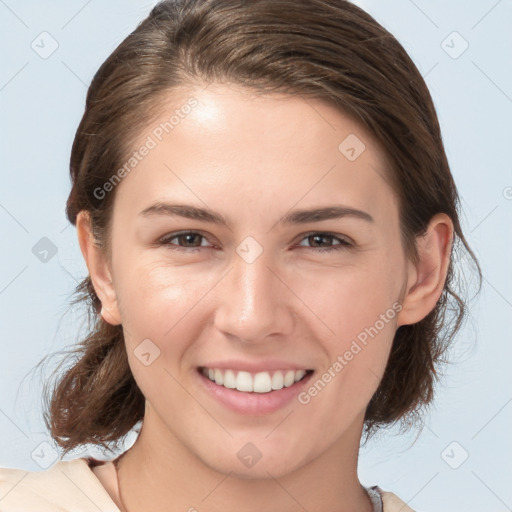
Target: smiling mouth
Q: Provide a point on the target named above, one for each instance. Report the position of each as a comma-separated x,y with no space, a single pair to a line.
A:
260,382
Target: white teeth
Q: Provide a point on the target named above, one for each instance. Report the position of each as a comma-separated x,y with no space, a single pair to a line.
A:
244,381
299,374
229,379
289,378
219,377
262,382
277,380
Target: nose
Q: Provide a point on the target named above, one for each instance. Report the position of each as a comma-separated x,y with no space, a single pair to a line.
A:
254,301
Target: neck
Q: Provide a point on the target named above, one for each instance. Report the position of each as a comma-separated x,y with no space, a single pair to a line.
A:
160,473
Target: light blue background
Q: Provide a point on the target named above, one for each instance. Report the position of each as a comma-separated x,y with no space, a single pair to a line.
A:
41,103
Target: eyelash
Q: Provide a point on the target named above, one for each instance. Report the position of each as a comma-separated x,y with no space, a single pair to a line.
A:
344,244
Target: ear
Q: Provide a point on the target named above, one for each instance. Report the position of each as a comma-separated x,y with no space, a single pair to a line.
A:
426,279
99,270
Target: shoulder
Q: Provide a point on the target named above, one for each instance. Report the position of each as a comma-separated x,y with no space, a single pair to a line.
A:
392,503
66,486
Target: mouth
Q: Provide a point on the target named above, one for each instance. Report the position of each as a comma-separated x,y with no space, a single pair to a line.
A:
259,382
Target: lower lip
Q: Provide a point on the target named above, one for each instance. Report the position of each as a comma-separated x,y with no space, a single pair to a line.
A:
253,403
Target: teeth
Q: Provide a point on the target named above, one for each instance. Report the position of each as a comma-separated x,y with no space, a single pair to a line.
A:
229,379
277,380
244,381
289,378
262,382
219,377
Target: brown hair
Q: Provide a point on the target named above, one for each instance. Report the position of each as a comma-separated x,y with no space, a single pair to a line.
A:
324,49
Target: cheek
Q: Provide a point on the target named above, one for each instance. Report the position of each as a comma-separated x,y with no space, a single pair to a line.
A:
159,321
358,324
348,299
343,388
155,295
160,324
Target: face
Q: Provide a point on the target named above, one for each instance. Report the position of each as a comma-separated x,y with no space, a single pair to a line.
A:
256,284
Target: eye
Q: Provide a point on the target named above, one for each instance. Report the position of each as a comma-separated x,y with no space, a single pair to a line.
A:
191,241
316,238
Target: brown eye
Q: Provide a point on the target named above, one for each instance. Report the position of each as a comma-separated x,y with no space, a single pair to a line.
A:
334,243
185,240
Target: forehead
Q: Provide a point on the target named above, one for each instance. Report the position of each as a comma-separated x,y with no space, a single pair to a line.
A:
228,145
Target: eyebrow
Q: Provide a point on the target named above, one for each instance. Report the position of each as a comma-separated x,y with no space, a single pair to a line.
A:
294,217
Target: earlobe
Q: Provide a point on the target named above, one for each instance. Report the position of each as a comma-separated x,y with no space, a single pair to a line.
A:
427,278
99,271
109,317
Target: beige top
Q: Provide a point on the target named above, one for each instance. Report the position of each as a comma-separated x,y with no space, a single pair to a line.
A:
71,486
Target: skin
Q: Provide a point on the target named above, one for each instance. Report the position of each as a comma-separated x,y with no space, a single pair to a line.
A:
253,159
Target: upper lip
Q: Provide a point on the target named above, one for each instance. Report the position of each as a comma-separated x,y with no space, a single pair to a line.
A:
253,366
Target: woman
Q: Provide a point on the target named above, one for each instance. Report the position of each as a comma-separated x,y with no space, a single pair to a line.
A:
267,214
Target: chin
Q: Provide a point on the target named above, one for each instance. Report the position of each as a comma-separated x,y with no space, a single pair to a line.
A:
253,461
261,470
